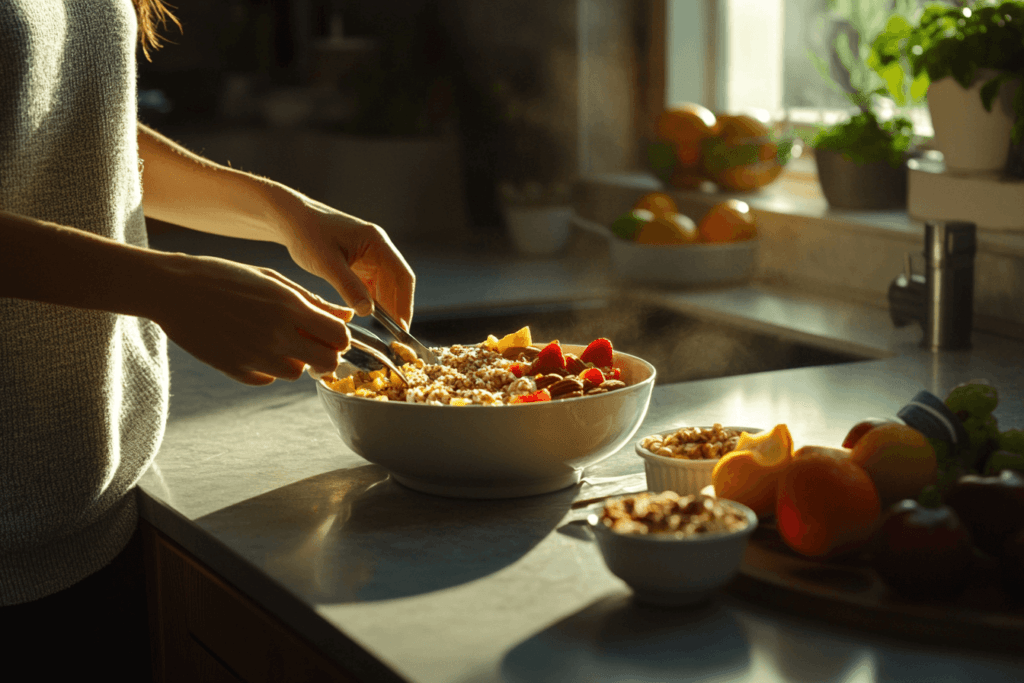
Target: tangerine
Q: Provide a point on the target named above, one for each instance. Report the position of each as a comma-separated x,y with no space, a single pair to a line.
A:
658,203
673,229
899,460
728,221
686,124
750,473
827,505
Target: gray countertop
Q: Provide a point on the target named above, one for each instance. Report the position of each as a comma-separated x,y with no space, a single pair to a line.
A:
398,585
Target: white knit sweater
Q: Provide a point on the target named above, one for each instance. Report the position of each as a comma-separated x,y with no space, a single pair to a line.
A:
83,394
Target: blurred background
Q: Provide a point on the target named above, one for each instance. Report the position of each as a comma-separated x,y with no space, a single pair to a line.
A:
429,116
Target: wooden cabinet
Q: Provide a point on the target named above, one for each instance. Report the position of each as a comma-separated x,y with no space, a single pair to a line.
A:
206,630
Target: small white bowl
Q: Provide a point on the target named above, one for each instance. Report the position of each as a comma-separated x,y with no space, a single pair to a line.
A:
683,476
665,569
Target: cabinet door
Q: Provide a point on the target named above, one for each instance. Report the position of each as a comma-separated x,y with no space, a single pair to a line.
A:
208,631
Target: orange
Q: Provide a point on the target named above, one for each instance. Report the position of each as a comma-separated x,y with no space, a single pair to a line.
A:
741,127
686,124
750,474
728,221
899,460
672,229
658,203
827,505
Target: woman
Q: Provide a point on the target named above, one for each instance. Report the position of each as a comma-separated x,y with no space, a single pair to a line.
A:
86,309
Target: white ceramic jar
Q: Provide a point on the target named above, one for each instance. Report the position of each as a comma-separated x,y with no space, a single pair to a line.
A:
971,139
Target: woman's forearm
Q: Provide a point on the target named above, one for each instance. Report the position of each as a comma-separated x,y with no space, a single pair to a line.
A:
185,189
57,264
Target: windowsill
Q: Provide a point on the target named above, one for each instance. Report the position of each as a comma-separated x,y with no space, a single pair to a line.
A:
797,194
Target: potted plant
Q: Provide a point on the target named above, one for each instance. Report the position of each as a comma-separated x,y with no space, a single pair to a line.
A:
862,160
972,60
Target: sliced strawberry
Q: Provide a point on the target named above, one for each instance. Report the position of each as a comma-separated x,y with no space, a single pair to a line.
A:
550,359
517,369
592,374
613,373
539,395
598,353
573,364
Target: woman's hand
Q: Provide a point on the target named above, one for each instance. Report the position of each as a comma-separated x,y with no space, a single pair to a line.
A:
253,324
355,256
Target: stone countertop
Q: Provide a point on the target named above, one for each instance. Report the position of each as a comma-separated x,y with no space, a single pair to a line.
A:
397,585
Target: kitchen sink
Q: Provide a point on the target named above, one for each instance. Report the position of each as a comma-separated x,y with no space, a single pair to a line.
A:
682,347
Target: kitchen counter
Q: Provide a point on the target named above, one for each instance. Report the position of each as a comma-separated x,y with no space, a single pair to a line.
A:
397,585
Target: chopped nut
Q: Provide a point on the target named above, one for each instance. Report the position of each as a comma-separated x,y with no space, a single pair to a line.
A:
694,443
668,512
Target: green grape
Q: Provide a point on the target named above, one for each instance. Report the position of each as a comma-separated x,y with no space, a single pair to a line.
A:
943,451
1012,440
974,398
983,433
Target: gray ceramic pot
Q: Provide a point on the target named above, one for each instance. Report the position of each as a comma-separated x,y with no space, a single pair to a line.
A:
849,185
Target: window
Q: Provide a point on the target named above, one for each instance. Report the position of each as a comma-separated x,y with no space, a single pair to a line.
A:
735,55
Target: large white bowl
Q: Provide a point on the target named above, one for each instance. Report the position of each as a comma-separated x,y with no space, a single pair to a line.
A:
503,451
663,569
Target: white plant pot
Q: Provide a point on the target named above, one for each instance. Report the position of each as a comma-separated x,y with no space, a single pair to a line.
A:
971,139
538,230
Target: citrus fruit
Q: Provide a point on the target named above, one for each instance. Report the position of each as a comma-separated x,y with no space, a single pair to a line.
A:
658,203
742,128
827,504
673,229
686,124
750,473
684,128
899,460
627,226
742,155
728,221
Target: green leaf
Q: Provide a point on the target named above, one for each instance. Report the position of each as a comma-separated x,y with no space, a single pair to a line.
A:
990,90
894,77
919,87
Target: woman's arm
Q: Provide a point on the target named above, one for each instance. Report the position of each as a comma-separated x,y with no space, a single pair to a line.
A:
355,256
251,323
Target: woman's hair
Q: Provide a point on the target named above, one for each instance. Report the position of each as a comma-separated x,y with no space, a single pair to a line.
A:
151,13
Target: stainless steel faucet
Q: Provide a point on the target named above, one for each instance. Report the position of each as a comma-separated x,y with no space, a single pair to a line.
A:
942,299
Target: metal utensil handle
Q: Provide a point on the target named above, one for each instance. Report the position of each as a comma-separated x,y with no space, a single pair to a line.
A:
377,355
401,335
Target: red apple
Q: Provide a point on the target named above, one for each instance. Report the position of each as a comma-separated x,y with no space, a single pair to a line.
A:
923,552
861,428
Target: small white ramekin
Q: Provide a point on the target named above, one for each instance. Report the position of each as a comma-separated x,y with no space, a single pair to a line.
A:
683,476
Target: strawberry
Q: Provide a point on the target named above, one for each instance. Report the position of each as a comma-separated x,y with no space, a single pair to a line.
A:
614,373
598,353
516,369
592,374
550,359
539,395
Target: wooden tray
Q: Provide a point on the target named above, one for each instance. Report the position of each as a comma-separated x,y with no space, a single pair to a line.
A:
850,593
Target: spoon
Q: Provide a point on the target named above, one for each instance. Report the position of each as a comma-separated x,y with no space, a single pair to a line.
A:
401,335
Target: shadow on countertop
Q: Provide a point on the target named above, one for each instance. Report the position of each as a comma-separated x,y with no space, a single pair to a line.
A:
354,535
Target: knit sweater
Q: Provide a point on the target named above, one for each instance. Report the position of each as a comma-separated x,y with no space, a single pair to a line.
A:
83,394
